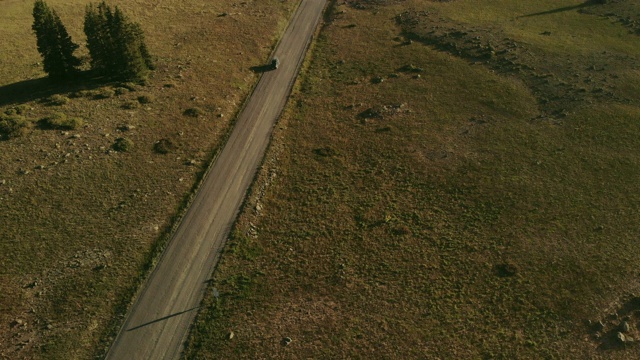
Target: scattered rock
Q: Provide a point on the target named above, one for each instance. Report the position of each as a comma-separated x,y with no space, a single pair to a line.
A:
410,68
286,341
621,338
230,335
127,127
624,327
371,113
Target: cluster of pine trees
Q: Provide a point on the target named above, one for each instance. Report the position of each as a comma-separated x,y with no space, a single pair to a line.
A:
116,45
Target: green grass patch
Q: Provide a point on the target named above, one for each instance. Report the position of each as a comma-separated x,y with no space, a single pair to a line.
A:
61,121
12,126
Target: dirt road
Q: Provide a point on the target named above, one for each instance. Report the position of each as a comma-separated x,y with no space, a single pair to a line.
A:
158,322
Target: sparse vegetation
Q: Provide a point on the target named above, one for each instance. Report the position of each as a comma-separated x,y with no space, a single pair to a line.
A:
122,145
128,85
71,277
19,110
145,99
193,112
163,146
479,226
104,93
120,91
61,121
57,100
12,126
130,105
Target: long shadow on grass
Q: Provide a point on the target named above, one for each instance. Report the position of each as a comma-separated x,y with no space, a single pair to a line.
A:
30,90
565,8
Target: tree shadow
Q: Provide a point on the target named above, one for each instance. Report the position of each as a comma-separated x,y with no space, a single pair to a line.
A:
34,89
565,8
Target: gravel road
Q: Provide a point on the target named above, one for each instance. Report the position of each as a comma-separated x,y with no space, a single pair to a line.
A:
158,322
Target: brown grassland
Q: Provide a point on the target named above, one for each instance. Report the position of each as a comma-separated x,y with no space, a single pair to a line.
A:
451,179
80,223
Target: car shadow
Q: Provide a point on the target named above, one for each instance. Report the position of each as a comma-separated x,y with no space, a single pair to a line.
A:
262,68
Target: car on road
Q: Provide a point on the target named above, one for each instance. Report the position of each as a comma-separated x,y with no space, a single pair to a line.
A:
275,62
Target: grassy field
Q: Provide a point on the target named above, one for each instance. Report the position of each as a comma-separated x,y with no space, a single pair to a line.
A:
80,222
451,179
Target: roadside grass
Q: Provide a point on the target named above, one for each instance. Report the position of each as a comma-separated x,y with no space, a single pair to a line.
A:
462,222
80,223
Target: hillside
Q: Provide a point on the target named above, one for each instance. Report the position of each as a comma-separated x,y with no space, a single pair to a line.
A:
452,179
83,214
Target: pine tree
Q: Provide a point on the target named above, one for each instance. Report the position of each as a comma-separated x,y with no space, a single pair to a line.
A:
116,45
99,39
54,43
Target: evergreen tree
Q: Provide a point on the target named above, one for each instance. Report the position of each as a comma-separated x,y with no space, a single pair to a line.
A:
99,39
116,45
54,43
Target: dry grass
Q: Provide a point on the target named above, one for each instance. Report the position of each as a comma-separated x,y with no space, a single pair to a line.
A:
460,225
79,222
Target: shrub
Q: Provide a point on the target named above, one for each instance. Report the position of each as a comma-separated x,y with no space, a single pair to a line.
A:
193,112
80,94
122,145
163,146
104,94
57,100
401,230
120,90
12,126
145,99
60,121
130,105
325,151
128,85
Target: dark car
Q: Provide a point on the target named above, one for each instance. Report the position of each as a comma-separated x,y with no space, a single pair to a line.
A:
275,62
